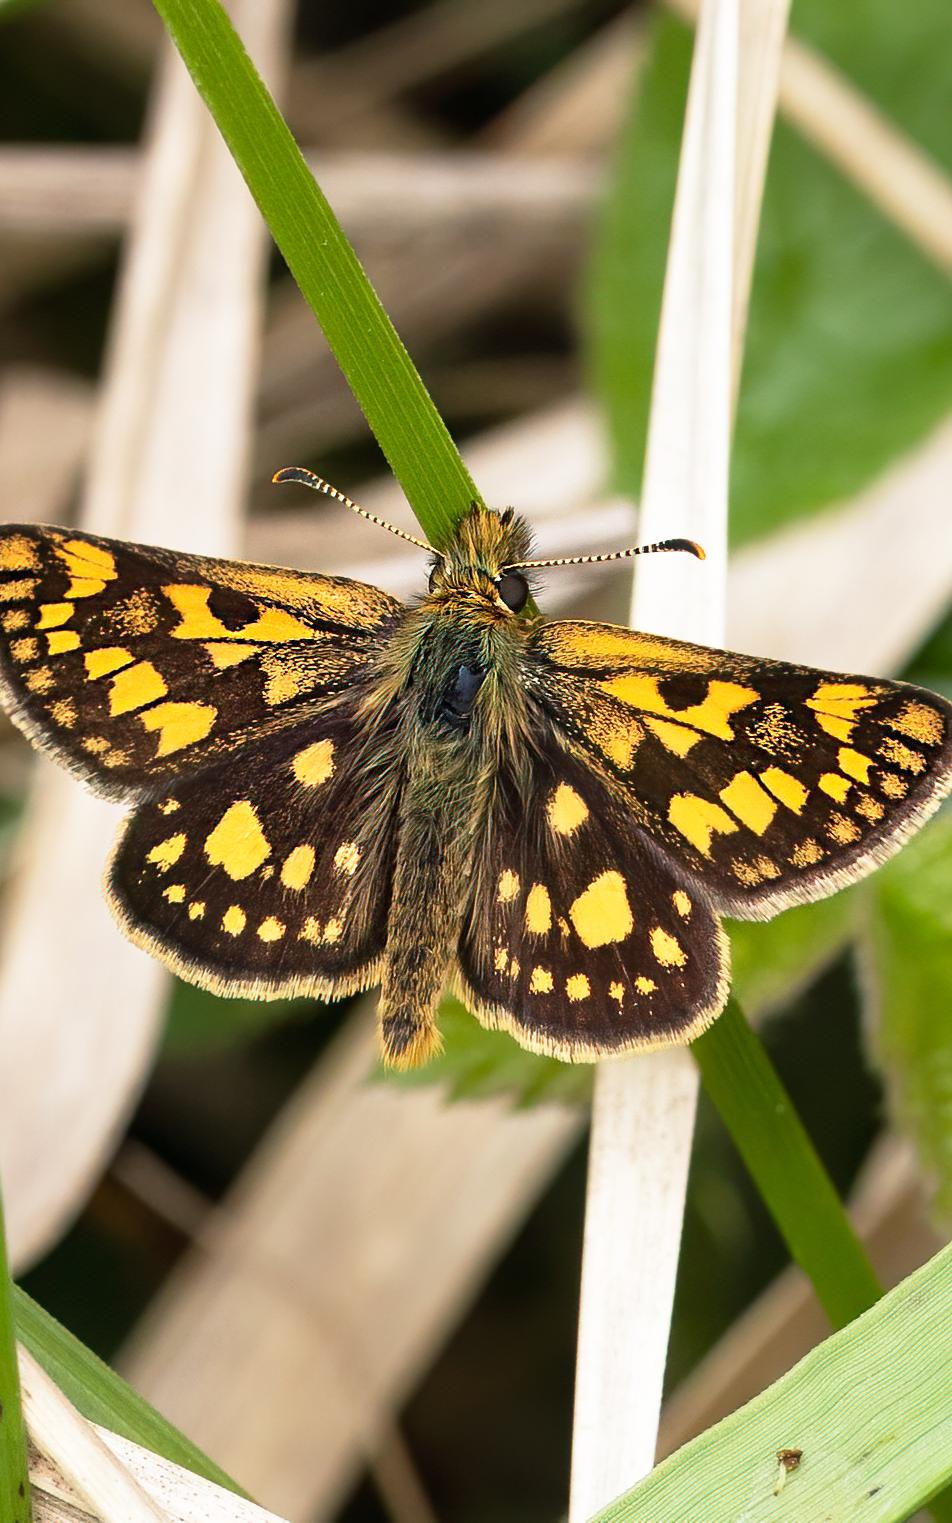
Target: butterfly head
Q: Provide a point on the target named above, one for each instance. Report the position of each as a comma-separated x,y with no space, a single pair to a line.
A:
483,562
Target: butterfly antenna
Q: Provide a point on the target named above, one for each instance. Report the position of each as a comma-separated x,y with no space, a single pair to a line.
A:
318,484
690,545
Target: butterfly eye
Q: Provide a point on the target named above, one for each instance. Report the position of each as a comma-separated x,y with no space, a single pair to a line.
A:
513,589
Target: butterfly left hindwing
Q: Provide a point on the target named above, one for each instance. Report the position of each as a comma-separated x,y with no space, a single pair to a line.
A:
581,939
269,879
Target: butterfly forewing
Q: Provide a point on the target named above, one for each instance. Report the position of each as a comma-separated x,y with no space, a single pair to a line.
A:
269,878
582,939
766,783
137,665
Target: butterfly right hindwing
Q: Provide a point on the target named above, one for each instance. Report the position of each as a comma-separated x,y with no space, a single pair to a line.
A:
580,939
271,876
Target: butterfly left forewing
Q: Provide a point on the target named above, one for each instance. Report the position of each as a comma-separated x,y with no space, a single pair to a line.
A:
581,940
768,784
136,665
268,876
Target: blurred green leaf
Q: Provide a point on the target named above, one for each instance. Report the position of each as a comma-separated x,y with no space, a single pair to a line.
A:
772,959
14,1474
870,1409
198,1022
907,967
849,347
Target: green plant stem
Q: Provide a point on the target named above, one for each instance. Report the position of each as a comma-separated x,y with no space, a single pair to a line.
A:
14,1477
771,1139
378,369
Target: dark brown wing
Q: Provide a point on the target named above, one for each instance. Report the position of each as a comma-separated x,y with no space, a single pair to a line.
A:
768,784
581,938
135,665
269,876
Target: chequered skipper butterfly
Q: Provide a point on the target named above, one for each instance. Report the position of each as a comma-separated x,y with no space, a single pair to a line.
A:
332,789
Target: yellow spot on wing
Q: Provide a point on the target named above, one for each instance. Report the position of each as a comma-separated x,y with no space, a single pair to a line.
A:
273,625
682,903
175,893
842,830
617,991
238,844
698,819
667,949
17,553
134,687
167,852
674,737
54,614
871,809
179,724
346,858
602,914
901,756
332,931
894,786
836,786
807,853
501,960
84,587
298,866
100,663
40,680
13,592
61,641
566,810
645,985
315,764
223,655
840,729
841,698
508,886
24,650
711,715
541,981
854,764
63,711
789,790
14,619
271,929
919,722
538,910
234,920
750,802
196,910
310,931
577,987
81,558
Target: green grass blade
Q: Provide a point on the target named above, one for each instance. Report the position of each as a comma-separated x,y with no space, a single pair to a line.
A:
871,1409
103,1396
768,1134
14,1477
381,375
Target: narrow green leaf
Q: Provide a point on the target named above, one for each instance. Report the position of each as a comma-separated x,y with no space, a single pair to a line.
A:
103,1396
907,970
381,375
771,959
870,1409
783,1162
14,1476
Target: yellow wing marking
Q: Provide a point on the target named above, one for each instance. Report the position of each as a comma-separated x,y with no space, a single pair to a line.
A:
273,625
566,810
134,687
789,790
179,724
698,819
538,910
314,764
750,802
667,949
601,913
238,843
710,716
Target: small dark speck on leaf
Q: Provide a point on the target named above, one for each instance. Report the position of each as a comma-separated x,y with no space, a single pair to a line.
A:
873,1491
787,1461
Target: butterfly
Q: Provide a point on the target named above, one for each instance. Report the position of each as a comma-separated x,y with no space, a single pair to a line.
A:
331,789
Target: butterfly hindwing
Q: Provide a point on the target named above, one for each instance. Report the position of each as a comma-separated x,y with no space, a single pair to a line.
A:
268,877
137,665
581,940
766,783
